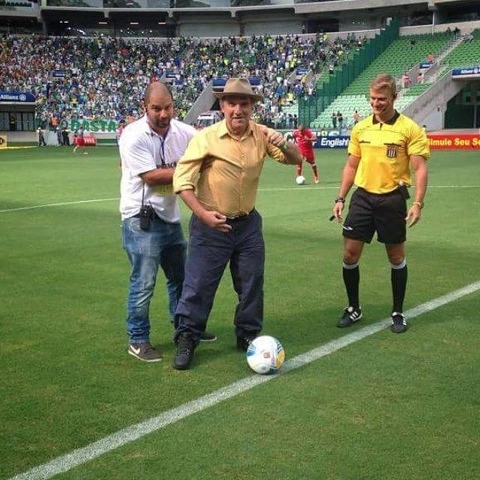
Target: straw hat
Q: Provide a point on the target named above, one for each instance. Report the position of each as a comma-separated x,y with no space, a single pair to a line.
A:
240,87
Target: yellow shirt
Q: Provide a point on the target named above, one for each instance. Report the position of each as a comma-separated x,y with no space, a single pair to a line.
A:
224,171
385,150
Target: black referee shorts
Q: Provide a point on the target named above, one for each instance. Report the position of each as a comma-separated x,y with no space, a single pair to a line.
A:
369,213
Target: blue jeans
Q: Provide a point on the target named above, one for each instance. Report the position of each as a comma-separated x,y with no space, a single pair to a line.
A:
209,253
162,245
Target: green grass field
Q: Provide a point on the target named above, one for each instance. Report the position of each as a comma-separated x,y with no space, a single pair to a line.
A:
384,407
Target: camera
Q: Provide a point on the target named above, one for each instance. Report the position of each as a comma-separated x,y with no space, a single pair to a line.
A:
146,215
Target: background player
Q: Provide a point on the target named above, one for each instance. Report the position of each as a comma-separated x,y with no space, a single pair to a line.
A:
305,138
80,140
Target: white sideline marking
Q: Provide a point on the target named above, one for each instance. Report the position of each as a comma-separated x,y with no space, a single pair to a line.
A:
129,434
62,204
265,189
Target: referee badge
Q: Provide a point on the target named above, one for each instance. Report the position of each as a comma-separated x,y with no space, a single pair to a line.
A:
392,151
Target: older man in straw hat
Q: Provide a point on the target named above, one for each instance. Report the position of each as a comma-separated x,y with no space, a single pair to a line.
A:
217,177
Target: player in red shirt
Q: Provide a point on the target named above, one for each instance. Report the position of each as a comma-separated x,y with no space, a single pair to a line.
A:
79,140
305,138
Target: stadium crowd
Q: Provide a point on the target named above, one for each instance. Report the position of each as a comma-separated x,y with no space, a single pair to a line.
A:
104,77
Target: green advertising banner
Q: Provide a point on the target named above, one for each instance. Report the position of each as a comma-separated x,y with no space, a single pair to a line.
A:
95,126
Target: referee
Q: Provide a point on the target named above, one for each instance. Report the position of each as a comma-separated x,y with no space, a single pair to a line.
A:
382,149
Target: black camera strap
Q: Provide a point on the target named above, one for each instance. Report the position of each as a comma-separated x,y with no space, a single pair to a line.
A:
162,150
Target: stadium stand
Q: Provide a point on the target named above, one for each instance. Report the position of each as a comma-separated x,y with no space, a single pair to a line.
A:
105,77
403,57
97,71
467,53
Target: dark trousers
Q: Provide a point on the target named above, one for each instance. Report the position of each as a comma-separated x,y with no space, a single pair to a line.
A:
209,252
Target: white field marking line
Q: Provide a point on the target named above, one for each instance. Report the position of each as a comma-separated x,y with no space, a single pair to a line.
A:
62,204
134,432
273,189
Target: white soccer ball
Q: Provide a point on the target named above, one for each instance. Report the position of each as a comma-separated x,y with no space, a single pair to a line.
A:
300,180
265,355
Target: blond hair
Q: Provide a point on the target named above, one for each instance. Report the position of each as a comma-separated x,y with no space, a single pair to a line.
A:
384,81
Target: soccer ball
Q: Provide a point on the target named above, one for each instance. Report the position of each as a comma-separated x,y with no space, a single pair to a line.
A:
300,180
265,355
